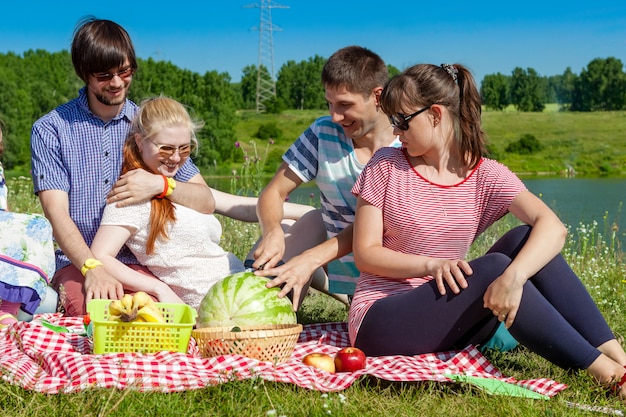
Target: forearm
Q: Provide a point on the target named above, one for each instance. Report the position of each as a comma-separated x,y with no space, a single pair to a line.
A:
237,207
71,242
388,263
128,277
270,211
244,208
195,195
331,249
66,234
546,240
294,211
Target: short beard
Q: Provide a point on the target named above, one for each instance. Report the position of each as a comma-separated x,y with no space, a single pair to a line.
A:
104,100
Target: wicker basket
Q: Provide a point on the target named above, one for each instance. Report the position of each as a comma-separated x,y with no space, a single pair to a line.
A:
272,343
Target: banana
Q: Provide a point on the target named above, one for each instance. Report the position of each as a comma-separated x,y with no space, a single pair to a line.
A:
127,302
115,308
150,314
139,307
128,313
142,299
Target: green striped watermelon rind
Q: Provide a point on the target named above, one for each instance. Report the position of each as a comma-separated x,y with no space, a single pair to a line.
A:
242,299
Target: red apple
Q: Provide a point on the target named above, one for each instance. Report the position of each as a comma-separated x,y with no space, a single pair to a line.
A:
350,359
321,361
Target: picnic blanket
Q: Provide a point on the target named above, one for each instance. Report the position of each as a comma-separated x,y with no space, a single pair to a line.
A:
40,359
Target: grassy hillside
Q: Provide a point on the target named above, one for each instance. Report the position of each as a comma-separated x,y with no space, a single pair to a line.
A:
592,144
290,124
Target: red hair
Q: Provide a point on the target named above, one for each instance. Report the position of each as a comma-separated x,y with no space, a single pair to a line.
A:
162,211
154,115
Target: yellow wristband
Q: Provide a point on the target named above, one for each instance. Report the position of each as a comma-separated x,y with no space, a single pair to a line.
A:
171,184
90,263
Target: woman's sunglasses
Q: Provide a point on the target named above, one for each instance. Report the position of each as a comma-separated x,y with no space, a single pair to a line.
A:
166,151
401,121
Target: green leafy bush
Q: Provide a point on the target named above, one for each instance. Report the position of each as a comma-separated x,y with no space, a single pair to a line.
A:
268,131
526,145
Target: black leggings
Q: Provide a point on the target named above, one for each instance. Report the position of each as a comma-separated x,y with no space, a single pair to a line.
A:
557,318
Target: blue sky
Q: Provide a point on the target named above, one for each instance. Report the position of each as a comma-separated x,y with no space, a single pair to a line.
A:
201,36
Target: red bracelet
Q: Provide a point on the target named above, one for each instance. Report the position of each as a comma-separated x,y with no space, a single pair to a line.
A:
166,187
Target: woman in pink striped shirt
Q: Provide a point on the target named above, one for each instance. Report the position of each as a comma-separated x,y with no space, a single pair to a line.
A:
419,209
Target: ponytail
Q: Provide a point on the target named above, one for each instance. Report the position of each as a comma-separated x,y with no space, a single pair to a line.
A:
471,137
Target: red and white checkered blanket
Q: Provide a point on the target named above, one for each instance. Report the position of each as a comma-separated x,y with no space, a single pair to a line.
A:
39,359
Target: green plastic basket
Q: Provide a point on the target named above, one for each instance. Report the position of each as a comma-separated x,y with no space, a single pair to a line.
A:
141,337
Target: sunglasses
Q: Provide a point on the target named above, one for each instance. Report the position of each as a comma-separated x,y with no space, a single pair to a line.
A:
401,121
106,76
166,151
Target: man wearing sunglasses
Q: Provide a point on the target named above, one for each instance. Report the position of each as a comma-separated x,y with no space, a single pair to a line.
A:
332,151
77,159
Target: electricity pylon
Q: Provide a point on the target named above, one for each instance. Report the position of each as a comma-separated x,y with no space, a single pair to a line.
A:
265,84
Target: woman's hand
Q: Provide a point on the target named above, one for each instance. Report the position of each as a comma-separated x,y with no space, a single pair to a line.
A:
452,272
503,298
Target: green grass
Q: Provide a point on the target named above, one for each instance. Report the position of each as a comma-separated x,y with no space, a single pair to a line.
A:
592,143
591,250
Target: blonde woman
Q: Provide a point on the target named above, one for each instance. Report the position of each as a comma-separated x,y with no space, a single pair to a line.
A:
179,245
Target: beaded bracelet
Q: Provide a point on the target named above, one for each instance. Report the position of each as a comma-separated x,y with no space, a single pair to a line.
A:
166,187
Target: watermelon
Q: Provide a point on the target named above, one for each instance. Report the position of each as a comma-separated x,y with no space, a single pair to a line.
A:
242,299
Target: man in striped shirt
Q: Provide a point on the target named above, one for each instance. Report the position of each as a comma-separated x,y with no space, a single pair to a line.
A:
332,151
77,158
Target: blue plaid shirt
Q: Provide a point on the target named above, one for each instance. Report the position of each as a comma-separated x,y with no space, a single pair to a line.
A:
75,151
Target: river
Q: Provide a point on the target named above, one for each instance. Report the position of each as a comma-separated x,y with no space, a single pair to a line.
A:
575,200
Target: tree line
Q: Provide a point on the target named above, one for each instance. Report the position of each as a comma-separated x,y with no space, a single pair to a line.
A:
601,86
37,81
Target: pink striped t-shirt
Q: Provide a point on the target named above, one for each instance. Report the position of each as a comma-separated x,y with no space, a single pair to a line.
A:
421,217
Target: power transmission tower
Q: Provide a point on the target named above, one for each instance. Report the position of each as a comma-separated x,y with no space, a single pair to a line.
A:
265,84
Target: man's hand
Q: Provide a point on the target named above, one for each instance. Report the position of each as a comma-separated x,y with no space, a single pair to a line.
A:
134,187
293,275
270,250
100,285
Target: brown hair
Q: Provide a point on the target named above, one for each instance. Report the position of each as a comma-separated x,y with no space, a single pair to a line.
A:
153,116
425,84
356,68
99,45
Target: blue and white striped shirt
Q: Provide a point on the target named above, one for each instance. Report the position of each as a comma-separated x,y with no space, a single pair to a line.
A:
323,153
75,151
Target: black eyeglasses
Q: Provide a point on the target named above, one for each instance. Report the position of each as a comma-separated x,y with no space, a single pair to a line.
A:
107,76
401,121
166,151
